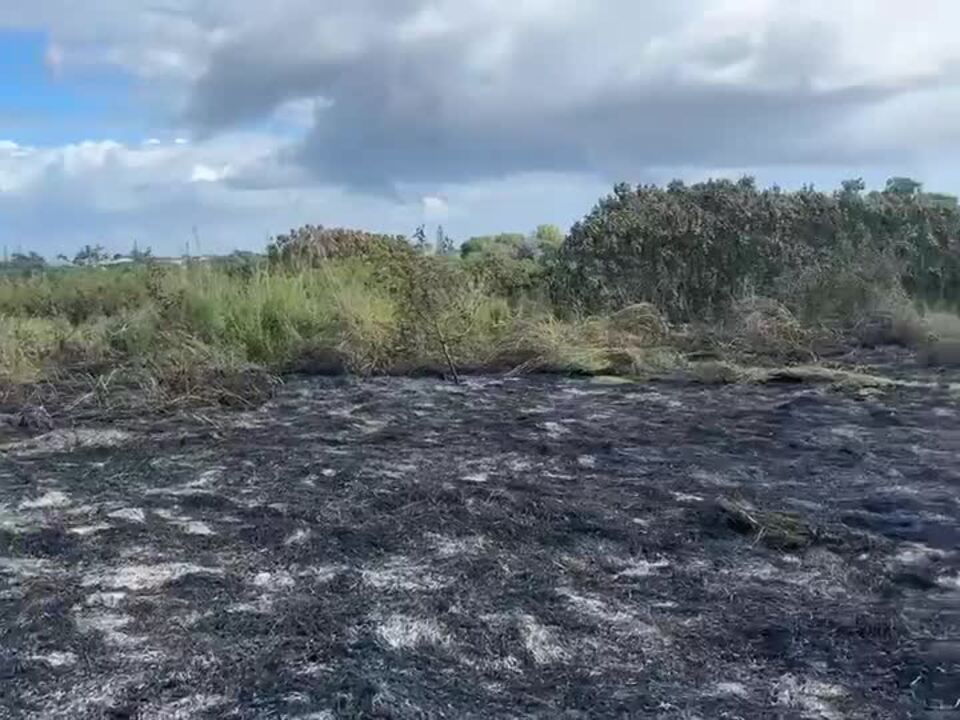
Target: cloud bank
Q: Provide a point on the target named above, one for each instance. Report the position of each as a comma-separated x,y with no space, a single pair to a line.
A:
401,109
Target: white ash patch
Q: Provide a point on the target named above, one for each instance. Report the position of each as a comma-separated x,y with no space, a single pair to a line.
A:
580,392
186,490
509,664
263,605
371,427
321,573
540,642
130,514
715,479
400,573
105,599
401,632
87,698
298,537
626,622
594,607
185,708
555,430
328,472
814,698
448,547
14,520
26,567
314,669
657,398
185,523
195,527
274,581
587,461
48,501
88,530
478,477
520,465
81,510
146,577
951,582
59,441
643,568
687,497
56,659
917,553
208,477
730,689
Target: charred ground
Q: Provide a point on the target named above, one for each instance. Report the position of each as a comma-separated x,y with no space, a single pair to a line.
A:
507,548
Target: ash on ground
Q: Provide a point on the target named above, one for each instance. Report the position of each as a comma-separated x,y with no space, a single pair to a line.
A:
507,548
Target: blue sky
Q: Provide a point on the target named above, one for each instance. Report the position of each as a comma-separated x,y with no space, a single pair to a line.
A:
137,120
38,108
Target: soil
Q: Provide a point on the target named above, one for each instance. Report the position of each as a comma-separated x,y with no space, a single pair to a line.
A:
509,548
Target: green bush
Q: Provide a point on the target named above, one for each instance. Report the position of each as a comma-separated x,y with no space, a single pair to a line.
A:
312,245
694,250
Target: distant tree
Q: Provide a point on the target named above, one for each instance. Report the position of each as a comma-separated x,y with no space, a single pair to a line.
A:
138,255
853,187
90,255
444,244
547,240
420,239
506,244
27,261
903,186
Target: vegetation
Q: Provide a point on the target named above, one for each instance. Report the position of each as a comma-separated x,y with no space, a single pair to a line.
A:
649,279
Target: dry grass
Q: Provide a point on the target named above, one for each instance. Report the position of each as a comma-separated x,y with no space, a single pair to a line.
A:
198,332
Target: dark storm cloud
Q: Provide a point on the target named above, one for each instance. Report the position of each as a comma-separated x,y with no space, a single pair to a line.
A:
401,110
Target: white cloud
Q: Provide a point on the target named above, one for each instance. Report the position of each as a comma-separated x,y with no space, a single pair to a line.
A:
205,173
434,207
483,114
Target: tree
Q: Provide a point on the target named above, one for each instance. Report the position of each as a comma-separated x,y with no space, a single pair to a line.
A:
444,244
507,244
138,255
28,261
903,186
420,239
547,240
854,187
90,255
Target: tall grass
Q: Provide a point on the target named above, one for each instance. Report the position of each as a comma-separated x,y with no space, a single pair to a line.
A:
167,317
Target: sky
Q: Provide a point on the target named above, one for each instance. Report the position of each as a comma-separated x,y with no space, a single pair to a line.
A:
220,123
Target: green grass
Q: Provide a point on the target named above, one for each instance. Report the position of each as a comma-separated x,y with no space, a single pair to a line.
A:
188,328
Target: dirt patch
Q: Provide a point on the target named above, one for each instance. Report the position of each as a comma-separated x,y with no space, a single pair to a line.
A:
519,547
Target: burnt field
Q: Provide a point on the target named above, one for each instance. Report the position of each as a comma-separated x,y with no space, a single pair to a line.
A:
515,547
